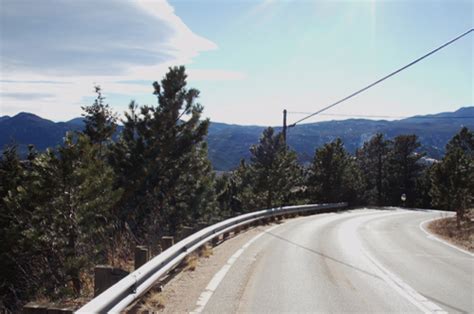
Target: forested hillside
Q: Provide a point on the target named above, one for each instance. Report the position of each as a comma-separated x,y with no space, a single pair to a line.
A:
229,143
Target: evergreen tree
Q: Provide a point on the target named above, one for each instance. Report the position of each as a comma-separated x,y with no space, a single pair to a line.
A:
453,178
267,181
161,161
65,207
14,287
274,171
404,168
372,159
100,120
423,188
235,191
333,175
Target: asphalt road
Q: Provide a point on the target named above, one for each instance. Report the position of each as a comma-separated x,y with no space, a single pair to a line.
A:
364,261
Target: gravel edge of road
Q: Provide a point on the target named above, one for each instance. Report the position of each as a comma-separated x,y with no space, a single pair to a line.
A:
445,229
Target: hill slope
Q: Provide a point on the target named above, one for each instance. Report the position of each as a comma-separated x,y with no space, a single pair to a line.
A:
229,143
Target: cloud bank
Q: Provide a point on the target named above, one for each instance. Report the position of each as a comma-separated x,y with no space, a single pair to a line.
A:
106,37
54,51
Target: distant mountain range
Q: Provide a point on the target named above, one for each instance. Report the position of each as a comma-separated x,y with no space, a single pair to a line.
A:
228,143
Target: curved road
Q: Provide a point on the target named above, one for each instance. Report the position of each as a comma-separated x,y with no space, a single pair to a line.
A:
365,261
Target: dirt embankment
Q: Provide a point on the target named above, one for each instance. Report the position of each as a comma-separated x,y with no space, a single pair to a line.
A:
447,229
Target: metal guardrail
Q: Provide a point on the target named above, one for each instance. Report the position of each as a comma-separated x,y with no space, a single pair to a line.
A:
130,288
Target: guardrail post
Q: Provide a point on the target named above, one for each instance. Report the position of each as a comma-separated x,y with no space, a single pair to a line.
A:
166,242
60,310
159,249
226,235
142,255
215,240
185,232
106,276
36,308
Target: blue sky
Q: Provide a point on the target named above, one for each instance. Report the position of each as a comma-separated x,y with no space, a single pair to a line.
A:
249,59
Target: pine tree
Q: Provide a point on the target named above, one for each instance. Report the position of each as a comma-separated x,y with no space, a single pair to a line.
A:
333,175
100,120
235,191
274,171
161,160
404,167
13,265
66,207
453,178
372,159
267,181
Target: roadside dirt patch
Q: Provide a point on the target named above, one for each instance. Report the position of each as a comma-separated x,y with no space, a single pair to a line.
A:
448,230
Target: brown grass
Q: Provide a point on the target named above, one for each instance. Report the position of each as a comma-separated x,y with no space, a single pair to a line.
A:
205,251
448,230
152,303
190,262
121,252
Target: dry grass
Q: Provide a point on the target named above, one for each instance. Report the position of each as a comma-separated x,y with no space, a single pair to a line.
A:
152,303
190,262
447,229
121,252
87,280
205,251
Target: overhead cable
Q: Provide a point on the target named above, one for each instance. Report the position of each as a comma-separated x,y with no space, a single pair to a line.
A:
382,79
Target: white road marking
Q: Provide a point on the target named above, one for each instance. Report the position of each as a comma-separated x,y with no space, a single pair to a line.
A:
431,236
404,289
390,278
219,276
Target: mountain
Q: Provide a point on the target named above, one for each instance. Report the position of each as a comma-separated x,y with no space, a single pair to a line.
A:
76,121
228,143
27,128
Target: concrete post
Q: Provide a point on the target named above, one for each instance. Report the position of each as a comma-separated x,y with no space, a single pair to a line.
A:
142,255
166,242
215,240
106,276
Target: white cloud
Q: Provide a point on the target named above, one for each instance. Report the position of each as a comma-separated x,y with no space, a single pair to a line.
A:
45,44
62,38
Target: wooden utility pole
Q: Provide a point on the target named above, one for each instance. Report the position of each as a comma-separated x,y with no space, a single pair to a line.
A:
284,125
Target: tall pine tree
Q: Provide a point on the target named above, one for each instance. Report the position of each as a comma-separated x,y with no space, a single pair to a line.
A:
404,168
333,175
161,161
372,159
453,178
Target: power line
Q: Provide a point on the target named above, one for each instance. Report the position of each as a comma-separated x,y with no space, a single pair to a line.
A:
383,78
382,117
